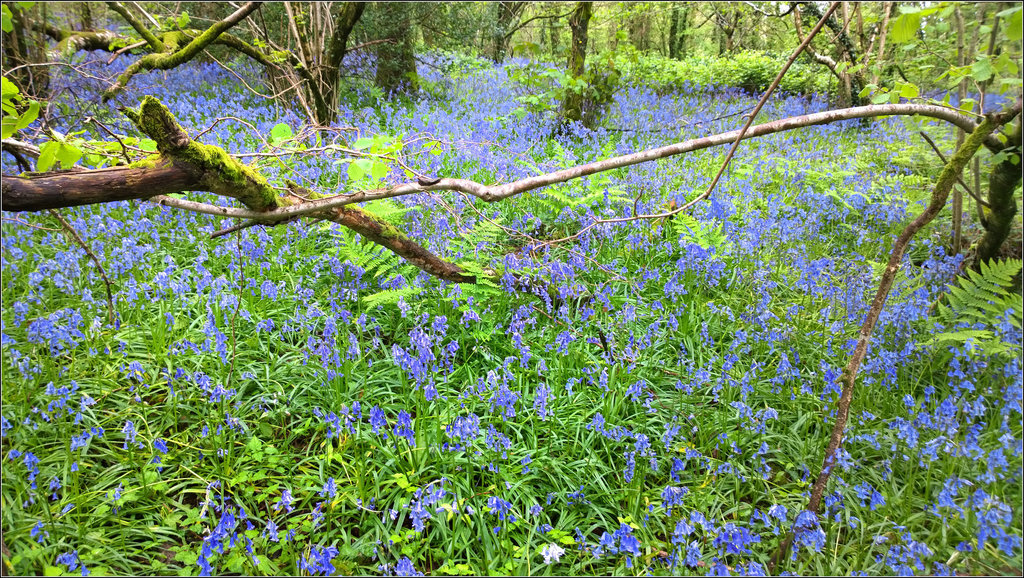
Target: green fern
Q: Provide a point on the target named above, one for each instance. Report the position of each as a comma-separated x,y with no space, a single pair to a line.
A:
704,234
981,297
390,296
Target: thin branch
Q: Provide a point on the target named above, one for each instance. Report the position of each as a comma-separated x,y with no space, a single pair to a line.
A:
139,27
81,243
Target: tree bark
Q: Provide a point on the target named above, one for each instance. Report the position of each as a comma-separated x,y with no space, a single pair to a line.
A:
396,65
1002,184
572,104
508,14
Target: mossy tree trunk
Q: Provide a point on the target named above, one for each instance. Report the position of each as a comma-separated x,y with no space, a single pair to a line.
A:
678,23
1002,185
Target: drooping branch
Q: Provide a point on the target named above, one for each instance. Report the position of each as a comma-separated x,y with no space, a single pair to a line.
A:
168,60
848,378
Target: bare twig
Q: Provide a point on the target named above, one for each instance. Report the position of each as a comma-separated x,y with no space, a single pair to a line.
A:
81,243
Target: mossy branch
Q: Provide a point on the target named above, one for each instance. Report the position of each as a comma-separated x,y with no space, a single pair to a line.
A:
139,27
216,171
169,60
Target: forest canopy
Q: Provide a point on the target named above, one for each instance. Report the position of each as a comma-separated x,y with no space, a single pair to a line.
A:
511,288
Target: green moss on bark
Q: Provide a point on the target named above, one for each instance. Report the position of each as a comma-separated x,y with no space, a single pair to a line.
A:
219,172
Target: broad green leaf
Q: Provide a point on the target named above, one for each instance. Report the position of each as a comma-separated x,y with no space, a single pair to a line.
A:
7,23
47,156
280,132
379,170
183,20
29,116
356,172
982,69
10,90
1013,24
362,143
908,90
68,155
25,5
8,125
905,27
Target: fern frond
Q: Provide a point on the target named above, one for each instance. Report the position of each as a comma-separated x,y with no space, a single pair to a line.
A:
983,295
391,296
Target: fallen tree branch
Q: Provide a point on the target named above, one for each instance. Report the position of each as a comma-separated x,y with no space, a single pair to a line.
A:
18,197
189,166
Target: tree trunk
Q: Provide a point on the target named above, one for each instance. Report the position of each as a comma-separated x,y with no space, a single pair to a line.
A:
579,22
396,65
1002,184
508,15
25,45
325,94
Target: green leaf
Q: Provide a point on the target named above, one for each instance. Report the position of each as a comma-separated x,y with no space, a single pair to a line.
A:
29,117
68,155
356,171
7,23
982,69
905,27
879,97
47,156
909,90
8,125
10,90
280,132
183,20
362,143
1013,24
379,170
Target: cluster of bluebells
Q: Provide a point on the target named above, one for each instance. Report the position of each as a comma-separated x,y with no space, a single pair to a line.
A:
603,332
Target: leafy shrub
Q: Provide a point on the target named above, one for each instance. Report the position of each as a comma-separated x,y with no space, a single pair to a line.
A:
750,70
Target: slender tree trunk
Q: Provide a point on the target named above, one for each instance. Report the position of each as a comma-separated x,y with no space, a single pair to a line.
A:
396,65
579,22
326,98
958,199
508,15
25,45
